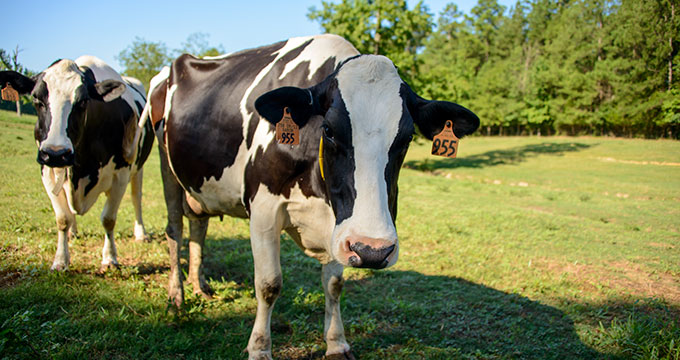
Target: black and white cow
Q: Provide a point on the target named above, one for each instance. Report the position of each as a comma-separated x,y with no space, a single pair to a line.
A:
335,193
88,143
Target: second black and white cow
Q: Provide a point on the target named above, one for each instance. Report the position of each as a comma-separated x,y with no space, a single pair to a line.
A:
88,143
335,193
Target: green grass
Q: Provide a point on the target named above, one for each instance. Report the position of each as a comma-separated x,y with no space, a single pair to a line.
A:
537,248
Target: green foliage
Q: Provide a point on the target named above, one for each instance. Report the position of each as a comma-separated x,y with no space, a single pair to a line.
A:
384,27
197,44
144,59
605,67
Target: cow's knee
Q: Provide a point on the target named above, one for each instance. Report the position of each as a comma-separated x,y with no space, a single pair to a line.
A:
270,289
64,222
109,223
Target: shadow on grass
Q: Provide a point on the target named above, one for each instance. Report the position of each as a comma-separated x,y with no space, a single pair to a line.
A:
496,157
387,315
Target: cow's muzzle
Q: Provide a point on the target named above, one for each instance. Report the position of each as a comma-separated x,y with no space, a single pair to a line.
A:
372,256
56,158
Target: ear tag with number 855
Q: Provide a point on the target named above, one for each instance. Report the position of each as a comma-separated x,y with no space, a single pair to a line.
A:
445,143
287,131
9,94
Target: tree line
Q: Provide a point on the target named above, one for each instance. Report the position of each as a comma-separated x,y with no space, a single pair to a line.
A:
540,67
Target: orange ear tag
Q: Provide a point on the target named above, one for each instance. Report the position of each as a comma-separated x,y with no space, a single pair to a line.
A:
9,94
287,131
445,143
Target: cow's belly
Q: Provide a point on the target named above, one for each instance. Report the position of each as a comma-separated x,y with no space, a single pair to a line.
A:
224,195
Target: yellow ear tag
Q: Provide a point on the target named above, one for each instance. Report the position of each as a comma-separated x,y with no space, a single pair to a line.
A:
9,94
287,131
445,143
321,158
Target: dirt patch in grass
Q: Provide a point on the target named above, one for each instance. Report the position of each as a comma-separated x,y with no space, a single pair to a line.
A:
623,276
9,278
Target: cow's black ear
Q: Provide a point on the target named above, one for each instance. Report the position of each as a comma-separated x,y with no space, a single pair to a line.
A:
430,116
299,101
107,90
20,83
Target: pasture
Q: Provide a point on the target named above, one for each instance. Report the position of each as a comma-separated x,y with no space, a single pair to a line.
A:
537,248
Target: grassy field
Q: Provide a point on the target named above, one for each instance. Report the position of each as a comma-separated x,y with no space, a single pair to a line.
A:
531,248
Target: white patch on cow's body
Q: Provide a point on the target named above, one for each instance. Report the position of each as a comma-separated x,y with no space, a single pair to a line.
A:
217,57
62,79
317,52
369,86
80,202
313,220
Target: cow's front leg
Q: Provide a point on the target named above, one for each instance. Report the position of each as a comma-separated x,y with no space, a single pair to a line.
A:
333,332
108,219
265,243
197,230
136,194
65,219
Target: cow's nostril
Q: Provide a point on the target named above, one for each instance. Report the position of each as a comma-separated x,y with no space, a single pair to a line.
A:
370,257
56,158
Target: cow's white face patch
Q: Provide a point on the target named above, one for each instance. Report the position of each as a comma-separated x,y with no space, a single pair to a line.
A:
62,80
369,86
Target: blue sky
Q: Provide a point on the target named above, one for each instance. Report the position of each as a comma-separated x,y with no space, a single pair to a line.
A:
46,30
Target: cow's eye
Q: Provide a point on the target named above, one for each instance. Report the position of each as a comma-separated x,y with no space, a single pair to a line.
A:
327,131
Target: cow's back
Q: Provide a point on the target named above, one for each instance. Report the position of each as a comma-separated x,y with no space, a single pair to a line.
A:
213,133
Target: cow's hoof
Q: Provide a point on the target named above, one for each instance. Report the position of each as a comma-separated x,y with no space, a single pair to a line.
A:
59,267
109,267
260,355
143,238
344,356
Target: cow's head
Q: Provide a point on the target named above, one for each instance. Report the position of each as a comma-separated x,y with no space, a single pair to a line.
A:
61,95
369,118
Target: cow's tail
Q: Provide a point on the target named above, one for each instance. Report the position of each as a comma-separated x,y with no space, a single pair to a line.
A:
156,82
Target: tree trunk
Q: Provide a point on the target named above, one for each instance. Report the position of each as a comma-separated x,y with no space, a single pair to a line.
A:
670,52
376,37
488,130
19,108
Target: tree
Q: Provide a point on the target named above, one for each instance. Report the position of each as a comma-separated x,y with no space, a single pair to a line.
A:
11,62
144,59
384,27
197,44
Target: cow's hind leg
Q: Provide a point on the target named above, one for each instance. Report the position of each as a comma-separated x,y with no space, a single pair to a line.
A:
334,333
108,219
197,230
173,194
265,242
65,219
136,182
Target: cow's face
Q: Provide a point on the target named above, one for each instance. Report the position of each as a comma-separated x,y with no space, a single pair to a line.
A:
61,95
369,118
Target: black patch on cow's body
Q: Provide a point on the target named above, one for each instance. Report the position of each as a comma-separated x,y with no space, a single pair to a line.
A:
204,129
338,153
145,145
99,139
397,153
